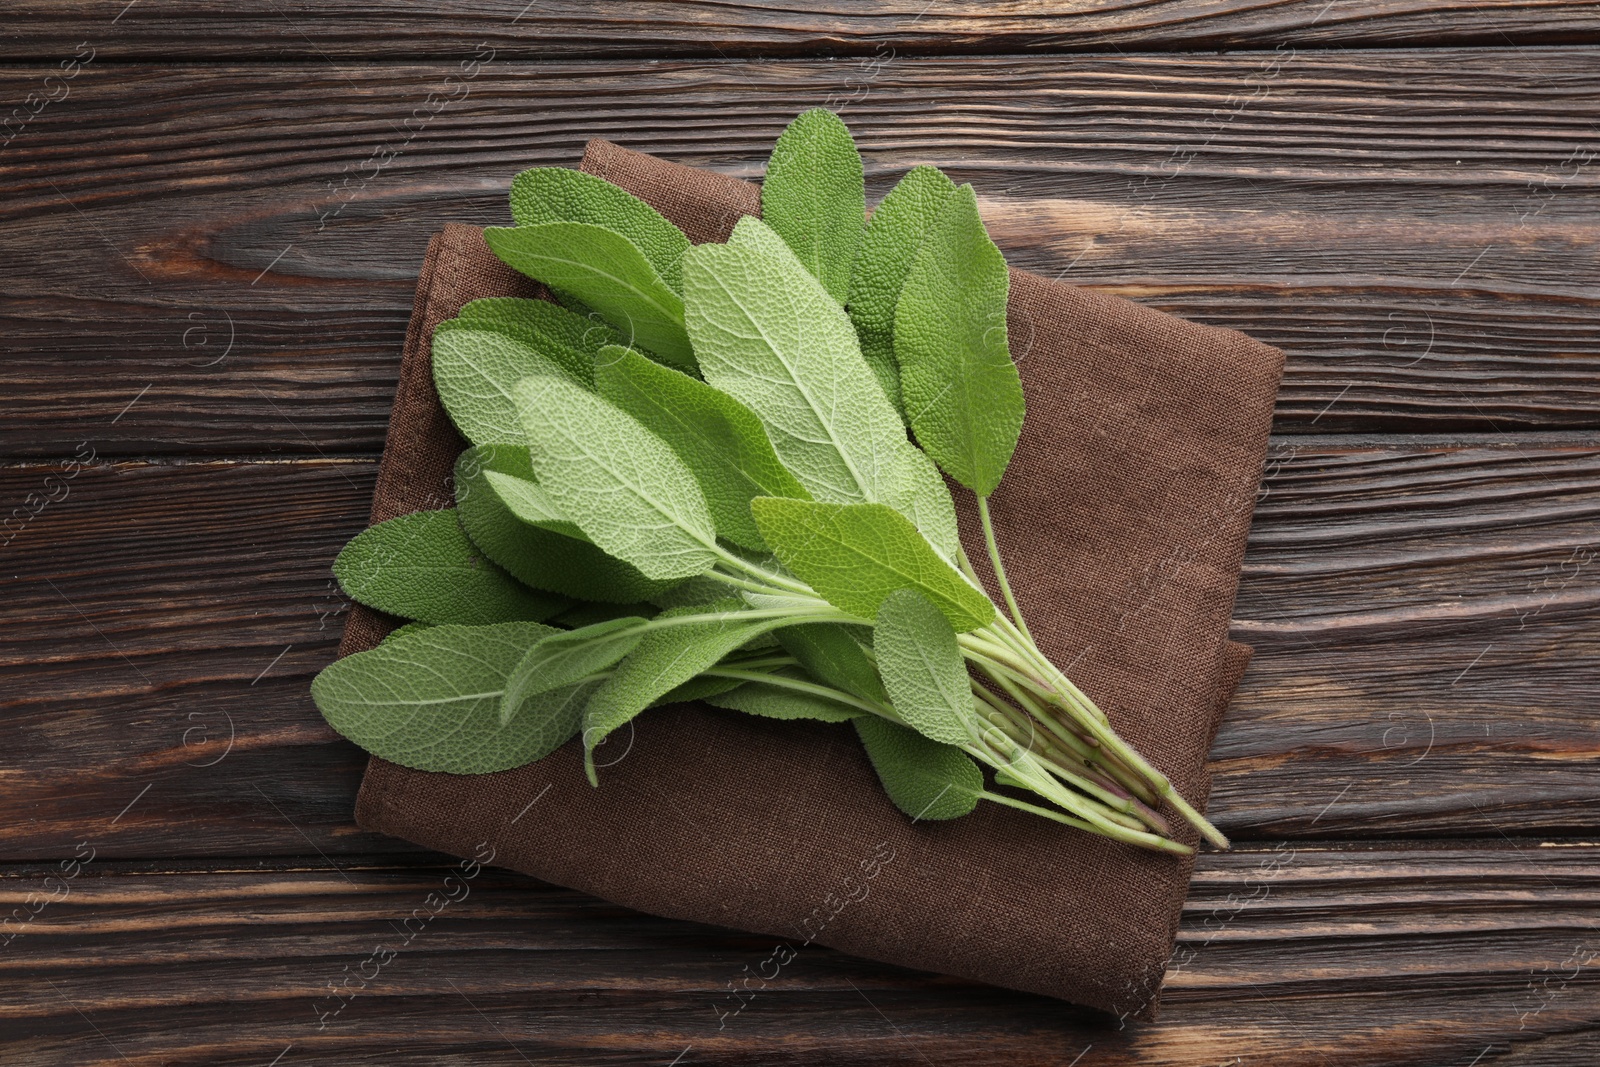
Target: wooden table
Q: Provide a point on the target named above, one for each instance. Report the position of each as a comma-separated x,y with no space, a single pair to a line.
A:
212,221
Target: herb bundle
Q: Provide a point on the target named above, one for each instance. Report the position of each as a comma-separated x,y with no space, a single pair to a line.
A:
691,479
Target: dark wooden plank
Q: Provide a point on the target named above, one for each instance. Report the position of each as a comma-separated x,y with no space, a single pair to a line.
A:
1424,618
1286,955
161,29
1417,229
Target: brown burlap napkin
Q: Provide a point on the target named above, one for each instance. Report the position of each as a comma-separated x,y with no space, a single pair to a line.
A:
1123,520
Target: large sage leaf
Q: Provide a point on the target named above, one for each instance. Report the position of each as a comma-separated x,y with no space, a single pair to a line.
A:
431,700
925,779
894,234
422,566
557,194
474,371
855,555
541,557
961,389
668,657
720,440
623,487
768,335
777,702
922,667
607,272
813,196
569,656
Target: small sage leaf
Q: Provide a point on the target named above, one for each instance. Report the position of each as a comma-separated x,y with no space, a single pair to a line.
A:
557,194
541,557
607,272
925,779
668,657
894,234
568,656
855,555
922,667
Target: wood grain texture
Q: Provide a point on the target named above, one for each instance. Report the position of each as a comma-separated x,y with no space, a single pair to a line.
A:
1423,617
1417,229
1286,955
304,29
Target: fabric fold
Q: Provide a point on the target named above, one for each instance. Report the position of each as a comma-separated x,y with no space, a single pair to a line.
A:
1123,519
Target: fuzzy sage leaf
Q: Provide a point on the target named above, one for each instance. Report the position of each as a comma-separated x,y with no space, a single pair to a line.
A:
855,555
430,700
895,232
541,557
720,440
607,272
925,779
813,196
623,487
556,194
768,335
422,566
475,370
962,393
569,656
922,667
666,658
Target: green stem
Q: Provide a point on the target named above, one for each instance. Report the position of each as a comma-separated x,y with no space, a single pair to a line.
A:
1093,755
772,578
999,567
798,685
1022,767
1058,763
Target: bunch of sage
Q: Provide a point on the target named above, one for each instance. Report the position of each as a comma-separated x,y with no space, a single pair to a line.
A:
691,478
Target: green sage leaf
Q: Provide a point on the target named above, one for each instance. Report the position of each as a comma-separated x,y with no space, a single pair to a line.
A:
776,702
407,628
815,198
557,194
922,667
568,656
961,389
474,371
830,652
623,487
666,658
855,555
770,336
587,613
926,780
719,439
540,324
607,272
894,234
430,700
422,566
700,687
541,557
